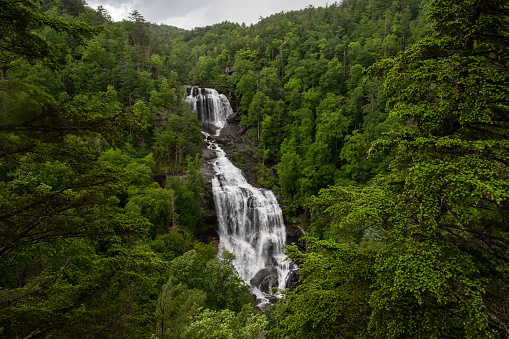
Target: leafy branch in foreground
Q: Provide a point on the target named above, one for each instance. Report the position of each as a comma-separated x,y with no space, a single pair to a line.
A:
19,22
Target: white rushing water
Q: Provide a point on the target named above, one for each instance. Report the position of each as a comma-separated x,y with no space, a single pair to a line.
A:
213,108
250,221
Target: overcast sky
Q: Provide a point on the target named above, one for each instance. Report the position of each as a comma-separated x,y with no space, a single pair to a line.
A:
199,13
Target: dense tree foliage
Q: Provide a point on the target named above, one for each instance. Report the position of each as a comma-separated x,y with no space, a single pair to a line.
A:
440,217
87,238
381,125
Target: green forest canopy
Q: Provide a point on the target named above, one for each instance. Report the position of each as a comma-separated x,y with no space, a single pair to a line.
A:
382,126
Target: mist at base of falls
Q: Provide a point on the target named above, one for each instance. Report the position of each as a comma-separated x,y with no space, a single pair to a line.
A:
250,221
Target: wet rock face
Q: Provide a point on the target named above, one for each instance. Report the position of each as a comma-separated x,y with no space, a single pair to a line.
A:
233,118
209,128
207,171
208,154
206,196
265,279
292,280
220,140
232,131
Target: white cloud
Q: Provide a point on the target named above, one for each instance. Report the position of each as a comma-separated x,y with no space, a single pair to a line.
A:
118,13
196,18
199,13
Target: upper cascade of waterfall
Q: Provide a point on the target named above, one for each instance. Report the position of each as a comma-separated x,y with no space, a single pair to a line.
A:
213,108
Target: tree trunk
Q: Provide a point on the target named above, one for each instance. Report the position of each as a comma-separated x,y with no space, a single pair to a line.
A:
259,122
4,91
385,33
174,228
344,63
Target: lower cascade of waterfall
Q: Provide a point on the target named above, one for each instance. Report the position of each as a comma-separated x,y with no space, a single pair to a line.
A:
250,221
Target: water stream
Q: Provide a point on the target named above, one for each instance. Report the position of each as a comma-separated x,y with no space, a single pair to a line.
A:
250,221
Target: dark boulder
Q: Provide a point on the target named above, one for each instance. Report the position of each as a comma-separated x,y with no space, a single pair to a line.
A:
265,279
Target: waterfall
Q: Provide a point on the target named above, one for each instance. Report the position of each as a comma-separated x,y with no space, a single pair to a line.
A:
250,221
213,108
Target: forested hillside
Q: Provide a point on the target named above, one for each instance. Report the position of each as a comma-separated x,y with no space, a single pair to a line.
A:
382,126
